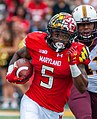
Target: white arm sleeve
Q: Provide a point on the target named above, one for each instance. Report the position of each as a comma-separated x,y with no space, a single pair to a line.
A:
10,69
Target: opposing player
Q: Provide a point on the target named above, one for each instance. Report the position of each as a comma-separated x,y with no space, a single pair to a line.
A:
84,106
55,59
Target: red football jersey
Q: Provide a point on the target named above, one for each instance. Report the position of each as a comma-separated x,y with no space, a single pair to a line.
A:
52,81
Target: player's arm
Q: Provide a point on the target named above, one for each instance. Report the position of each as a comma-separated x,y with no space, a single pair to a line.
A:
80,79
11,74
22,53
78,72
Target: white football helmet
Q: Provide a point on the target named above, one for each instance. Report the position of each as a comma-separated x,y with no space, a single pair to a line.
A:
85,14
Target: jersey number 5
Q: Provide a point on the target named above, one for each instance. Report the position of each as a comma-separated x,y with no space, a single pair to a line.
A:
50,78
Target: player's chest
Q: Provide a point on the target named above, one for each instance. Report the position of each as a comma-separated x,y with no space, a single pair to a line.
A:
51,62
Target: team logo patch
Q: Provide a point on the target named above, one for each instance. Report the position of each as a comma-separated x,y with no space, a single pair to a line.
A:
43,51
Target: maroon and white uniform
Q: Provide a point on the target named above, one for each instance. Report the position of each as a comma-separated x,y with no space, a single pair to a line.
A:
84,106
52,81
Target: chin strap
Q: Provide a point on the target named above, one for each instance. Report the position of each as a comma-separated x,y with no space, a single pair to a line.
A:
86,42
59,46
91,43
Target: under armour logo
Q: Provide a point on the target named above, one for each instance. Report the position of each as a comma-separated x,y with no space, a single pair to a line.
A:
59,55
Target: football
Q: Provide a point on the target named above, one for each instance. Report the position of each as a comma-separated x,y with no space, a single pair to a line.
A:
25,68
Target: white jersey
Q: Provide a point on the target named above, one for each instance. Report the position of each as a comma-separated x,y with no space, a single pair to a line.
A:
92,70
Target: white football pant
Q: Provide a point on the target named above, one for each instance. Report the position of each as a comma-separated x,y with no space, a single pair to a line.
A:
31,110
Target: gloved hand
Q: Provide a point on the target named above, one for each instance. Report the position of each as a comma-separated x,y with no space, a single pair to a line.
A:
72,55
73,61
78,55
12,78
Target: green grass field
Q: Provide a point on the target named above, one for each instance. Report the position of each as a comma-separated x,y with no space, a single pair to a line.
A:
9,117
6,115
17,117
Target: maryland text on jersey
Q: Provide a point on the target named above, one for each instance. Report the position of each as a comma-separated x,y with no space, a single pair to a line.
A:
50,61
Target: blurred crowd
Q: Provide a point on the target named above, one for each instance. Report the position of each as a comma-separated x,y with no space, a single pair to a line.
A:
17,18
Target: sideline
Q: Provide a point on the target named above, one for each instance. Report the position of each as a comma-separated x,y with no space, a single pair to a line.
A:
9,113
67,113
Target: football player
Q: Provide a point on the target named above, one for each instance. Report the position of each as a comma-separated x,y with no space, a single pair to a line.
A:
57,62
84,106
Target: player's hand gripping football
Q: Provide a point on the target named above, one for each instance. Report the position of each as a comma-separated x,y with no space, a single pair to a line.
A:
12,78
72,55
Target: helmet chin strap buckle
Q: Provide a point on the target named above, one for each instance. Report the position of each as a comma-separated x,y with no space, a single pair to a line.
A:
57,50
59,46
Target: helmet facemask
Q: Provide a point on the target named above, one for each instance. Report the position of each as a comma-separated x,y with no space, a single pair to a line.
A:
87,36
60,40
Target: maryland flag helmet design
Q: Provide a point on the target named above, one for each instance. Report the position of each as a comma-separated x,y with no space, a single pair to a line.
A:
63,22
